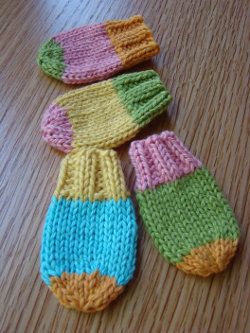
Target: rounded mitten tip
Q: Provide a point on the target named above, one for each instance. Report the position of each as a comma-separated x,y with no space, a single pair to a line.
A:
56,128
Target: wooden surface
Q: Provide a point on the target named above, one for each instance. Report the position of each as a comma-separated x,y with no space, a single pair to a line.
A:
204,61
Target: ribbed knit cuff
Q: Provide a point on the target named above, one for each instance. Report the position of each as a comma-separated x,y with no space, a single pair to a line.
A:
132,40
91,174
160,159
144,95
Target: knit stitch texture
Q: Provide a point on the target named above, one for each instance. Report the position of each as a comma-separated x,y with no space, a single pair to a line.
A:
89,240
185,213
96,52
105,114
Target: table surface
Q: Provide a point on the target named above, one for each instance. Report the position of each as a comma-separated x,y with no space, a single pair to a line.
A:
204,61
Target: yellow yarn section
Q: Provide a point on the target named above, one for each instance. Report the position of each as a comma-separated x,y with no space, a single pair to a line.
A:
91,174
85,292
210,258
132,39
101,113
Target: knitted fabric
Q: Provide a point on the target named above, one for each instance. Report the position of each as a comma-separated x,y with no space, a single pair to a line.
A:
96,52
185,213
105,114
89,239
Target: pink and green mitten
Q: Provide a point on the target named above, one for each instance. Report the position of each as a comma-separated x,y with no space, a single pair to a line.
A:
185,213
98,51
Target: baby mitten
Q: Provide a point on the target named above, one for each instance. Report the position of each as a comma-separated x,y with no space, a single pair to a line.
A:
96,52
105,114
89,240
187,216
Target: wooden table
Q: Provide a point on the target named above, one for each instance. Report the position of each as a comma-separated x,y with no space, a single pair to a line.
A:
205,63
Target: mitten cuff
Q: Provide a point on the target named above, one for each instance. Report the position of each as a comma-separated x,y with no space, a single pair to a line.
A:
160,159
143,94
91,174
132,40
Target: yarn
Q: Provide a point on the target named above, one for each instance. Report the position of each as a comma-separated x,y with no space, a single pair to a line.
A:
89,239
183,209
105,114
96,52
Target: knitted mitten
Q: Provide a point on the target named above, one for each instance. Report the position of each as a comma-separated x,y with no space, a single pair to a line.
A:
96,52
187,216
105,114
89,239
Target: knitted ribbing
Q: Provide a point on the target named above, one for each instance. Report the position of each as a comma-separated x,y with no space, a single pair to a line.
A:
96,52
105,114
89,239
183,209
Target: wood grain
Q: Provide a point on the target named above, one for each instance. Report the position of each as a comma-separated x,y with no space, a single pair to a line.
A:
205,63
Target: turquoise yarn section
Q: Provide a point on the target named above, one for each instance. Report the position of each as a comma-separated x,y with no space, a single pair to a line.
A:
87,236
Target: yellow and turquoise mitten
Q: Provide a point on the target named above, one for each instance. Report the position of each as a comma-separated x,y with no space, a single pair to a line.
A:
89,240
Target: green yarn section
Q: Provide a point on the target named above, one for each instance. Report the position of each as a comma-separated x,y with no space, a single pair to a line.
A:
50,59
143,94
186,214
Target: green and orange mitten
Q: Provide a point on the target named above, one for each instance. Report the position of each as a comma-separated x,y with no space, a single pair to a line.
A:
185,213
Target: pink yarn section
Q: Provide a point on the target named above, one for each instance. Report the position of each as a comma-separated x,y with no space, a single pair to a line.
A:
160,159
88,54
56,128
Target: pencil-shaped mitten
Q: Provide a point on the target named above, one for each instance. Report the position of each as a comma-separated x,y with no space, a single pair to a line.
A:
185,213
89,240
96,52
105,114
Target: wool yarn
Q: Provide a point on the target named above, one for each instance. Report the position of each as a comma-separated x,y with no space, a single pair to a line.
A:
89,240
96,52
185,213
104,114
